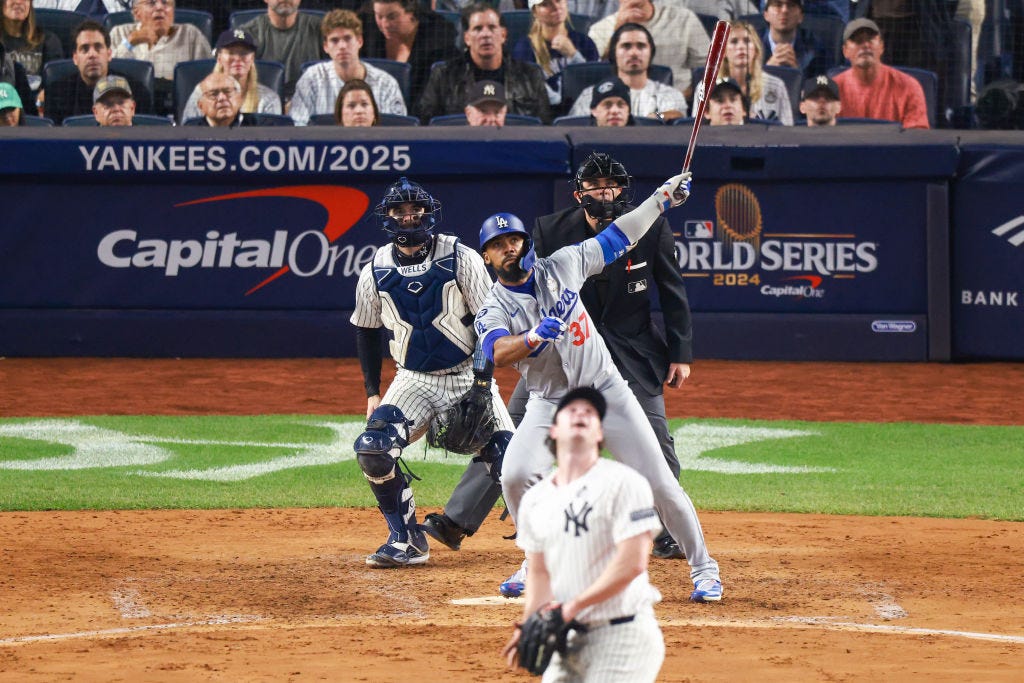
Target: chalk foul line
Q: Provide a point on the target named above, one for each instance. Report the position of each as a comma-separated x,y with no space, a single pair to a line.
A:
218,621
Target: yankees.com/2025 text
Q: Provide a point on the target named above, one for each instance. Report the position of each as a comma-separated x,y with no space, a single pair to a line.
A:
314,158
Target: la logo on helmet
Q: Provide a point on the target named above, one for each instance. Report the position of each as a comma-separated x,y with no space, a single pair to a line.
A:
502,223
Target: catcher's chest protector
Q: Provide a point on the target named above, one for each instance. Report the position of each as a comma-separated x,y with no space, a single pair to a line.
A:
423,308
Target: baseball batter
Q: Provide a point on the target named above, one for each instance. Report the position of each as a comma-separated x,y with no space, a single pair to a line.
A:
424,289
534,319
592,562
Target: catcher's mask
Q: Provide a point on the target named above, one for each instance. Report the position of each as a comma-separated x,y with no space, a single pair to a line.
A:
509,224
407,192
600,165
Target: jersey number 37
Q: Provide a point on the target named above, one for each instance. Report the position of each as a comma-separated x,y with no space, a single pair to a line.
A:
580,330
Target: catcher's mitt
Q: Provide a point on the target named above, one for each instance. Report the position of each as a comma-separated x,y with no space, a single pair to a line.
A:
542,635
468,425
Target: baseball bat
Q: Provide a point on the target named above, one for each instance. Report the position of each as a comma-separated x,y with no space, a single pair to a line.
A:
715,55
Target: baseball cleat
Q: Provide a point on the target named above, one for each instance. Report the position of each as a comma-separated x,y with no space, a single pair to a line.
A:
443,530
515,585
666,548
398,554
706,590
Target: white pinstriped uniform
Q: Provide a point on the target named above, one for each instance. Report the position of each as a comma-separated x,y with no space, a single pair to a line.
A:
422,395
582,359
577,527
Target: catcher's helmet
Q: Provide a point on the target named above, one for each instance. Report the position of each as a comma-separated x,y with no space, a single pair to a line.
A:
407,192
601,165
507,224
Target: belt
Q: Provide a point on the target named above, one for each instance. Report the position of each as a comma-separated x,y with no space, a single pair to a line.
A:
611,622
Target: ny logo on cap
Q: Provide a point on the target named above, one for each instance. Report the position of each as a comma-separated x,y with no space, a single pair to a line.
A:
605,87
240,34
502,223
488,89
822,80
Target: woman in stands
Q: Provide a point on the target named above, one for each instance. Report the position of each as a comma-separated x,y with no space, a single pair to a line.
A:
28,44
355,106
743,63
236,56
552,43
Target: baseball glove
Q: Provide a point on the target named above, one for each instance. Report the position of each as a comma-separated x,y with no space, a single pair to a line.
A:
542,635
468,425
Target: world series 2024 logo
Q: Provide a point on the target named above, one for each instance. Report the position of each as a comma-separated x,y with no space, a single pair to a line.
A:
735,250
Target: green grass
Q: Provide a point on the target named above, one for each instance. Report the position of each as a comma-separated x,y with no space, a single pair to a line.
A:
306,461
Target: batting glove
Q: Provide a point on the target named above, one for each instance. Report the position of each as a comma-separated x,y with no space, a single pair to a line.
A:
674,191
549,329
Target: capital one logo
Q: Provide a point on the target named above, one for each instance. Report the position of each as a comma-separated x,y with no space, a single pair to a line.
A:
344,207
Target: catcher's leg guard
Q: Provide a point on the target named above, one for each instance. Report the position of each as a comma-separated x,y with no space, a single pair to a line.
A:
377,451
493,453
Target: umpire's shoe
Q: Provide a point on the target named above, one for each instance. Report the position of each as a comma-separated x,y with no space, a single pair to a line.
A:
666,548
397,554
443,530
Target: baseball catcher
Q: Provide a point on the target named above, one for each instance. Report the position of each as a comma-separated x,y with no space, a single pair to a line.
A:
543,634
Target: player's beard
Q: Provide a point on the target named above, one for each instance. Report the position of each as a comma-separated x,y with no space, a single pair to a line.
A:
513,272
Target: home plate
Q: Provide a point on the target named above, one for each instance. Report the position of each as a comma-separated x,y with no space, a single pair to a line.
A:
488,600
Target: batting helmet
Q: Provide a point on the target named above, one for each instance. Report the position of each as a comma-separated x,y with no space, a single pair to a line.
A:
508,224
407,192
601,165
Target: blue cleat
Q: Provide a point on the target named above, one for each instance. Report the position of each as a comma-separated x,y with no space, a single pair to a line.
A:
397,554
515,585
706,590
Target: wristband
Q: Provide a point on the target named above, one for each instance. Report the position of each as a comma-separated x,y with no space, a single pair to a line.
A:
126,44
526,340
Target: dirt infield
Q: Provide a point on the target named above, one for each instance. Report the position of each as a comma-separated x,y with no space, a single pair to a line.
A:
283,595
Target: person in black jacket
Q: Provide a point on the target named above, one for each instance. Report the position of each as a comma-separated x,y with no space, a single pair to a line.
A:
14,73
484,60
620,300
404,31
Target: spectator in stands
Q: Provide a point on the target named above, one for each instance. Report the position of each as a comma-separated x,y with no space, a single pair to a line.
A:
236,56
356,106
113,104
403,31
26,42
681,39
609,104
72,95
221,104
318,88
632,50
10,105
154,37
14,73
767,96
484,33
787,43
973,12
727,105
552,44
486,104
874,90
288,36
819,101
726,10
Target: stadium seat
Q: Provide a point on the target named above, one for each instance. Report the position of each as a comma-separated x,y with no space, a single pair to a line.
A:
188,74
201,19
827,28
35,121
708,21
138,72
244,16
859,121
402,72
61,23
137,120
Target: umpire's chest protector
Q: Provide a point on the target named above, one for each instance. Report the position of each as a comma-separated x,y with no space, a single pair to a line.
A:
423,308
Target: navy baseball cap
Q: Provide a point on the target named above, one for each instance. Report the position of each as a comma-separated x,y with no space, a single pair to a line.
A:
822,84
235,36
588,394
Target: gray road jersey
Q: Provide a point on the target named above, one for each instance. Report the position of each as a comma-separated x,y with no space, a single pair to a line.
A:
581,357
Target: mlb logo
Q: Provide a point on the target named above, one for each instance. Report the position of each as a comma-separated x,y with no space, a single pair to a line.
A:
698,229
